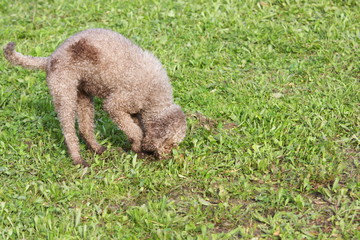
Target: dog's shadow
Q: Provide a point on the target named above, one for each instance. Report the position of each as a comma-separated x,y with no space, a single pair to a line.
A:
105,130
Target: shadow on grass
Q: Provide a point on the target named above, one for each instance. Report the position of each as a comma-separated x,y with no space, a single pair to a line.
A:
106,131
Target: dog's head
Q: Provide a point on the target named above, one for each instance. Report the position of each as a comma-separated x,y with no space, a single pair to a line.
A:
164,132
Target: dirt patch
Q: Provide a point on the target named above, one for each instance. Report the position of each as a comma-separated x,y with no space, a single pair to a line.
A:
204,121
29,144
352,171
230,125
210,124
322,206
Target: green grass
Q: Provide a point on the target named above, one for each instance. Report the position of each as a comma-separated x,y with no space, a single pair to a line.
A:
271,91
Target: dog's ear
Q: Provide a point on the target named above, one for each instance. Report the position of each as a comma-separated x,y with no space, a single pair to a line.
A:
155,132
148,145
166,129
168,122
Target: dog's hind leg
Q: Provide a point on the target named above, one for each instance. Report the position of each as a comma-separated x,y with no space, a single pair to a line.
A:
85,111
63,88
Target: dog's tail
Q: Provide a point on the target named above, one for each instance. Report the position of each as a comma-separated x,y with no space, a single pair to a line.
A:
16,58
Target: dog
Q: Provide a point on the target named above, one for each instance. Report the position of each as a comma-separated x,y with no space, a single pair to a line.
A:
133,83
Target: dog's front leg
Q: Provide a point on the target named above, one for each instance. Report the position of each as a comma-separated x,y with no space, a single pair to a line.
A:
130,128
126,123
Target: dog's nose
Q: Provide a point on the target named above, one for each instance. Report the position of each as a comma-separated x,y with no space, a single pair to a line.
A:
149,152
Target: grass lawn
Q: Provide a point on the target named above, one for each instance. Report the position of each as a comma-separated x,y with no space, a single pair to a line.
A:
271,90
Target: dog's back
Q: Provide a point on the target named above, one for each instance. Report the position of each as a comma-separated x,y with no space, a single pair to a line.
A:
108,61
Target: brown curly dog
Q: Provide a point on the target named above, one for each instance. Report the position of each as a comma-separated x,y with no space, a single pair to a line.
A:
134,85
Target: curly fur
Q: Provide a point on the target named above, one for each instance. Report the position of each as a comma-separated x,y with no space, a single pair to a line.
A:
134,85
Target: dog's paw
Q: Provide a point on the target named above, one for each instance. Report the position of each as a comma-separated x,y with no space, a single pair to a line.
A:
101,150
81,162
